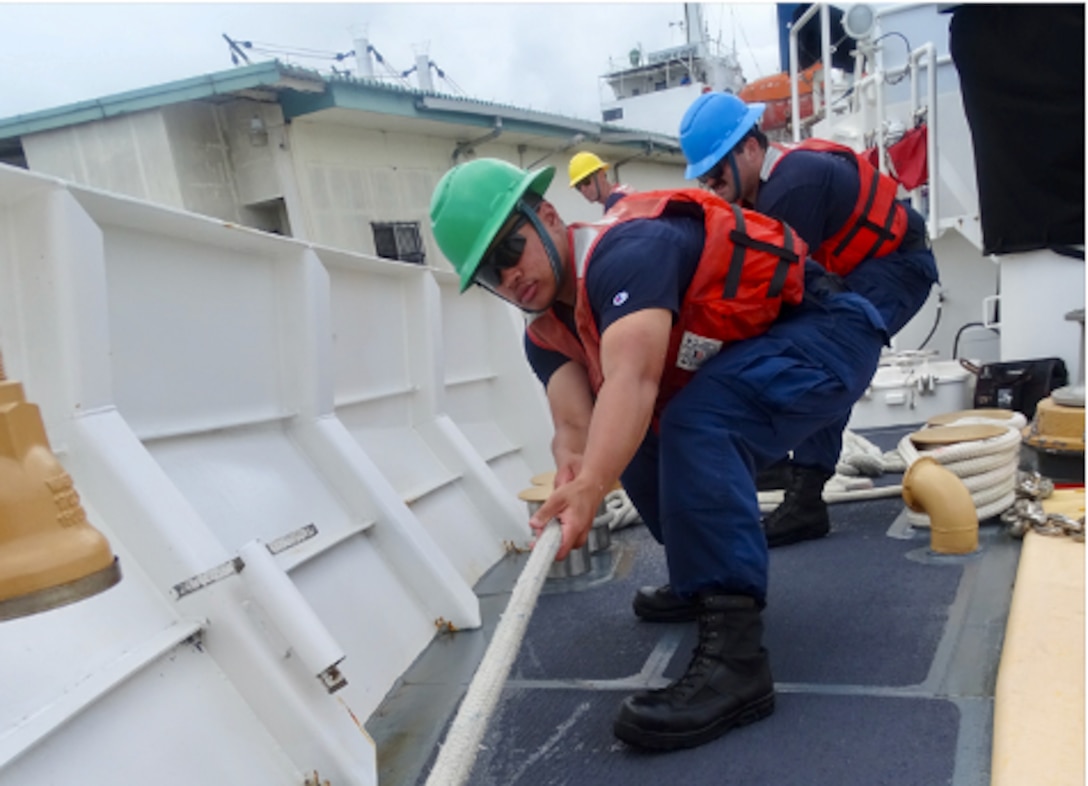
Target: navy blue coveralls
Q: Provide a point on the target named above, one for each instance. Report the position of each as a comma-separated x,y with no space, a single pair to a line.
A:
693,482
815,193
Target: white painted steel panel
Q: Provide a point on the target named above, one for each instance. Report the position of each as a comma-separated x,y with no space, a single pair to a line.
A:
1033,308
253,482
59,335
57,664
206,320
491,393
389,393
177,722
373,609
188,372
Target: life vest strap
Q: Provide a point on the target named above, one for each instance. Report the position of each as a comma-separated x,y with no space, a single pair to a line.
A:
883,233
742,241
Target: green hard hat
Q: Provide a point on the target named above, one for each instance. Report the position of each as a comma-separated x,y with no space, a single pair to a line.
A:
471,203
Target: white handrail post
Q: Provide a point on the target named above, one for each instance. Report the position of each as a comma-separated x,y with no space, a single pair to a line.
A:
825,55
916,194
878,85
794,57
931,139
795,104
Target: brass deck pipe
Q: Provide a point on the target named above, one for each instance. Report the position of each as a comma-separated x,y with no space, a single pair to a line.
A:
936,491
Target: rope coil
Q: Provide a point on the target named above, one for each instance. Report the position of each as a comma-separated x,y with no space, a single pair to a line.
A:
987,467
619,511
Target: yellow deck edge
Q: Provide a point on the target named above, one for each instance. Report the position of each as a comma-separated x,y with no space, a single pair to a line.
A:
1039,707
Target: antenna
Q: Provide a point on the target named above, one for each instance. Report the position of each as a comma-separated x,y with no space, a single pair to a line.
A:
733,27
235,50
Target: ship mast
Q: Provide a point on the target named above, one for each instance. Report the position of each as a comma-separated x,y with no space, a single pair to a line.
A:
695,28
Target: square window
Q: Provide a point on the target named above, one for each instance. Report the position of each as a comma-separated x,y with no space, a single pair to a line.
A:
399,240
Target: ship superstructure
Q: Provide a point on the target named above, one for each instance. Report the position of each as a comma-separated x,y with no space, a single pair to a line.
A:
653,89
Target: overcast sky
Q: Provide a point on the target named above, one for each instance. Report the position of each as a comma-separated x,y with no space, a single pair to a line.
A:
546,56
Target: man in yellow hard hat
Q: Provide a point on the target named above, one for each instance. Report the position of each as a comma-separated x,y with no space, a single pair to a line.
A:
683,344
587,174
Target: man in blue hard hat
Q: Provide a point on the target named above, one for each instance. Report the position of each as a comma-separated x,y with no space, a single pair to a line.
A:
683,343
855,226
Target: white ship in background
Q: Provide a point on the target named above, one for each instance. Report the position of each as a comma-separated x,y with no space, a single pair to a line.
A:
652,91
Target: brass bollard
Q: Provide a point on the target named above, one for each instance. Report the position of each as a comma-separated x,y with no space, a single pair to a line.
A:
49,554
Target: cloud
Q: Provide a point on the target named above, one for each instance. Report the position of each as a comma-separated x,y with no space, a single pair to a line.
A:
546,56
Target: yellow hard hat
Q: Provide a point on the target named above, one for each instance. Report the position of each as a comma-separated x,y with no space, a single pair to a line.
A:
582,165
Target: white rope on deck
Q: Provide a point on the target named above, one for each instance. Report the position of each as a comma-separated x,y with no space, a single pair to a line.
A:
620,510
987,467
458,753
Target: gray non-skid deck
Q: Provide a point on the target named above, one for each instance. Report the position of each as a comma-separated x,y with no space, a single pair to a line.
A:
884,657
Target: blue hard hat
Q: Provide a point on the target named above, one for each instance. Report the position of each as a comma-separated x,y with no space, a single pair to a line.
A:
712,126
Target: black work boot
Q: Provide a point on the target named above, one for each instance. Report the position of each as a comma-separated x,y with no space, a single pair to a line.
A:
661,604
803,512
727,684
774,477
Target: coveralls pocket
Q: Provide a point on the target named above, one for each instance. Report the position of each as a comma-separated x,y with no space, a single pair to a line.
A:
781,380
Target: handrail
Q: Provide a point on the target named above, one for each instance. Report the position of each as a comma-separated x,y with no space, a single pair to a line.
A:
795,100
929,51
825,60
924,56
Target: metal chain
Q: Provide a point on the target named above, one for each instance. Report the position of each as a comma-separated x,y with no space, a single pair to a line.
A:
1027,511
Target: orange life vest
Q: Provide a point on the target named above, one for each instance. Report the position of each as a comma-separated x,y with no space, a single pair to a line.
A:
878,222
751,264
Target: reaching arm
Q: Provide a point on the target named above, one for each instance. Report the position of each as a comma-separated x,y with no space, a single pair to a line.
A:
632,358
570,397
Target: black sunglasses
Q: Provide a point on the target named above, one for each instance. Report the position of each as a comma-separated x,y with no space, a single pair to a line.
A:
583,182
711,177
504,254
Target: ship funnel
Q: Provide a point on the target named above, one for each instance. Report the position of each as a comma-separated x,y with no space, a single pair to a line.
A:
50,555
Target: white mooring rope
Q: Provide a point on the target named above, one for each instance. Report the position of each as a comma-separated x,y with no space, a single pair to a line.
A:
458,753
987,467
620,510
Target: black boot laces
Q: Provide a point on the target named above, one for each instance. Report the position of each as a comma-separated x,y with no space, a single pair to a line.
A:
705,658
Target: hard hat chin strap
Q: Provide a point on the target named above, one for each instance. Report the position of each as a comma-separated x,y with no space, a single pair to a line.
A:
549,248
736,175
548,243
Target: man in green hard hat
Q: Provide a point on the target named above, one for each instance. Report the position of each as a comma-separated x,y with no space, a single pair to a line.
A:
684,343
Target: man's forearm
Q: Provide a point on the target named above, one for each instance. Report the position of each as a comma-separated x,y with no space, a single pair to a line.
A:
620,421
632,357
568,445
571,402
